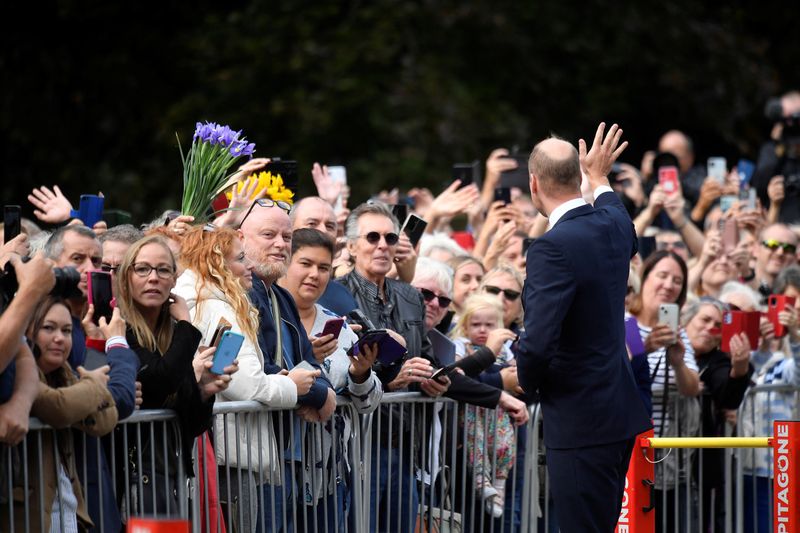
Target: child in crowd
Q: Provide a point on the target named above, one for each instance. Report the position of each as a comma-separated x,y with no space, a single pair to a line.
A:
490,438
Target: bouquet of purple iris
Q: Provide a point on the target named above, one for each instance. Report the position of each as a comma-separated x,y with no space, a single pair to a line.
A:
215,148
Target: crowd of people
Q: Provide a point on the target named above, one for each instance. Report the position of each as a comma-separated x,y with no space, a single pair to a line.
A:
278,274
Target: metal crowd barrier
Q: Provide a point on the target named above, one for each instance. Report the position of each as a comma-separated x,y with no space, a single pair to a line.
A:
412,465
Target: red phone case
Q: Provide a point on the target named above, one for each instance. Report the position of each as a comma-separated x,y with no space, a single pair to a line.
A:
777,303
668,179
735,322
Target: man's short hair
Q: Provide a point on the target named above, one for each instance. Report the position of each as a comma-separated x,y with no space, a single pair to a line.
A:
55,244
371,207
556,175
304,237
776,225
123,233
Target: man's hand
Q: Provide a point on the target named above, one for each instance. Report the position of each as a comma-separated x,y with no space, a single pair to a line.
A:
51,206
303,379
181,224
510,380
14,419
414,370
515,408
405,259
115,328
89,327
327,189
18,245
597,162
240,201
35,278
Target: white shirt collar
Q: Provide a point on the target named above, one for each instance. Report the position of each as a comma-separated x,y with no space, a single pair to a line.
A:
569,205
562,209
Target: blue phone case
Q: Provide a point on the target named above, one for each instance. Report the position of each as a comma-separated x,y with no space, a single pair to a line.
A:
90,211
227,351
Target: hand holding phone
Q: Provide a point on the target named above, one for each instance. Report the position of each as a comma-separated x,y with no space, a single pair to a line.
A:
414,228
668,179
227,350
332,327
90,211
668,315
99,294
776,304
222,326
502,194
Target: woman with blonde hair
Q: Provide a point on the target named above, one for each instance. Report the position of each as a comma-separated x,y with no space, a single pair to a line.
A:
173,375
215,281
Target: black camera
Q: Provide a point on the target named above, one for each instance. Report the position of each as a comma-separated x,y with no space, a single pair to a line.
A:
67,280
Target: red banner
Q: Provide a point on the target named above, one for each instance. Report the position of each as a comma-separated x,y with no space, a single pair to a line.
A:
786,484
637,513
151,525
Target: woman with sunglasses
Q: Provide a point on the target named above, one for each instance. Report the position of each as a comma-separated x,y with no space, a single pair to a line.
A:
172,374
725,378
506,283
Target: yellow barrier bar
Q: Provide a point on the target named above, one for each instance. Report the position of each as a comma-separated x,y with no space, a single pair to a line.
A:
707,442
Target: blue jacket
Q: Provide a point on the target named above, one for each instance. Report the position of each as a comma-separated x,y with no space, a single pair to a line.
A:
268,338
573,347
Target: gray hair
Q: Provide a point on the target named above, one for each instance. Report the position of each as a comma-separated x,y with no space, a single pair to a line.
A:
693,306
428,269
789,276
371,207
503,269
123,233
439,241
55,244
37,242
734,287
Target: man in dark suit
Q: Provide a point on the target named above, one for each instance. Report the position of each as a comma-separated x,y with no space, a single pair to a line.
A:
573,348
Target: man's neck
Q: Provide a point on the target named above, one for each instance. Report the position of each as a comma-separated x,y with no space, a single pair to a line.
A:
764,277
372,278
550,204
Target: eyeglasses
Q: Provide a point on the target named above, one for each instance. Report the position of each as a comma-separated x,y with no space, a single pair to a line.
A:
105,267
429,296
266,202
373,237
507,293
774,244
664,245
143,270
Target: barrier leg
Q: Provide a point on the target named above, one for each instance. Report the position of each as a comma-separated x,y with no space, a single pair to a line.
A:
786,483
638,508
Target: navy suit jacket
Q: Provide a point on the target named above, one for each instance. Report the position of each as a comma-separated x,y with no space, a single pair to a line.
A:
573,348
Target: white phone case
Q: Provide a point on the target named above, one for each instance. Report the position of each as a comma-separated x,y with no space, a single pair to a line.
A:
668,314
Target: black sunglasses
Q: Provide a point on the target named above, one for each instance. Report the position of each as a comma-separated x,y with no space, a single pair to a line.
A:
774,244
428,296
266,202
373,237
508,293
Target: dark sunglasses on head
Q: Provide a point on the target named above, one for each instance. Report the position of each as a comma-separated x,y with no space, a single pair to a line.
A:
266,202
428,296
373,237
508,293
774,244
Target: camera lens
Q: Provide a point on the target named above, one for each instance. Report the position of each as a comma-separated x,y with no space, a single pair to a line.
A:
67,280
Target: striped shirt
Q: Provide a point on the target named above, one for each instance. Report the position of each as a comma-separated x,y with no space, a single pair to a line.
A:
658,364
66,507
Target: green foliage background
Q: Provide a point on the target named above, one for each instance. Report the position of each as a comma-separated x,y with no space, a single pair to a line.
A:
94,92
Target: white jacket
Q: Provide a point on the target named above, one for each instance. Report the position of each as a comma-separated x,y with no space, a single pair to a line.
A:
249,383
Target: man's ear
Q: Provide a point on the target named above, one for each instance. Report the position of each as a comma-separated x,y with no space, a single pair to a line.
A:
534,184
351,247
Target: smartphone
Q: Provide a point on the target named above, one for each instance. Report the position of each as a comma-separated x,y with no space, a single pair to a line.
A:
389,350
12,224
90,211
227,350
735,322
668,179
414,227
668,314
400,212
338,174
775,304
332,327
442,373
730,235
464,172
526,243
633,338
717,167
745,169
287,170
502,194
222,326
99,294
517,177
749,198
726,202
